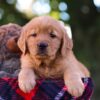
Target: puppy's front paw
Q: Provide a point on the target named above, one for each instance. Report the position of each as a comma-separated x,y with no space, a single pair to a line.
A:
26,80
75,87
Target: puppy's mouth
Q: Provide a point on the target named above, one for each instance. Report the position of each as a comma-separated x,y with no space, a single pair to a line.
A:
42,49
42,54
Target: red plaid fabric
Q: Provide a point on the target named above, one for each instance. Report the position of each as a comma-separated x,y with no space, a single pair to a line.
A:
45,89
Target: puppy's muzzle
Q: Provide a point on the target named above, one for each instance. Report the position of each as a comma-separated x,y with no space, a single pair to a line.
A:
42,48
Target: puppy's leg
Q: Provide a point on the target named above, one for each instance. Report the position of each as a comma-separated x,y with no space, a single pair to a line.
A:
73,82
26,77
73,75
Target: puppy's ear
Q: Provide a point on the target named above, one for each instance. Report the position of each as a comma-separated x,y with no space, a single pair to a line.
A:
22,41
12,44
67,43
67,29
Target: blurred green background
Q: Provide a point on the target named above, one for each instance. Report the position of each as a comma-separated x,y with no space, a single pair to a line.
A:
82,15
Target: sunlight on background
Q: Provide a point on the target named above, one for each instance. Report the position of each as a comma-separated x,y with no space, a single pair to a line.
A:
64,16
42,7
34,7
97,3
63,6
23,5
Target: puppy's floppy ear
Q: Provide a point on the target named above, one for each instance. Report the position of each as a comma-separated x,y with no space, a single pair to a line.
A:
67,43
22,41
12,44
67,28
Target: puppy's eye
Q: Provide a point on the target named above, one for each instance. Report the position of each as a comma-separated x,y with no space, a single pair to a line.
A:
34,35
52,35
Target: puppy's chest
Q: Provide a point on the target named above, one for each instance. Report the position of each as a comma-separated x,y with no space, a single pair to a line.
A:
49,72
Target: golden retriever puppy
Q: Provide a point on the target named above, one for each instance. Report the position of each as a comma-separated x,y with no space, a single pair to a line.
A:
47,53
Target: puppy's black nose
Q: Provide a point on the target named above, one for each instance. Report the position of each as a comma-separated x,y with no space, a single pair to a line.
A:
42,45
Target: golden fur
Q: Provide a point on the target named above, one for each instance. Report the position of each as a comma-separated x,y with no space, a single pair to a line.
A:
58,59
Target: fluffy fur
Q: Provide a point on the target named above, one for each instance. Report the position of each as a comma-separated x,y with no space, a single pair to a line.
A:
9,52
57,60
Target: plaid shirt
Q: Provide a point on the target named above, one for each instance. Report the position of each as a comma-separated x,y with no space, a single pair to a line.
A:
45,89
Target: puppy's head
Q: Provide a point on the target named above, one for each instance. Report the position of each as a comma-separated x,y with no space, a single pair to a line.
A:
9,35
44,37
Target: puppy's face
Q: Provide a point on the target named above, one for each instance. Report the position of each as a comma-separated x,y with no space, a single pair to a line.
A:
43,37
43,41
